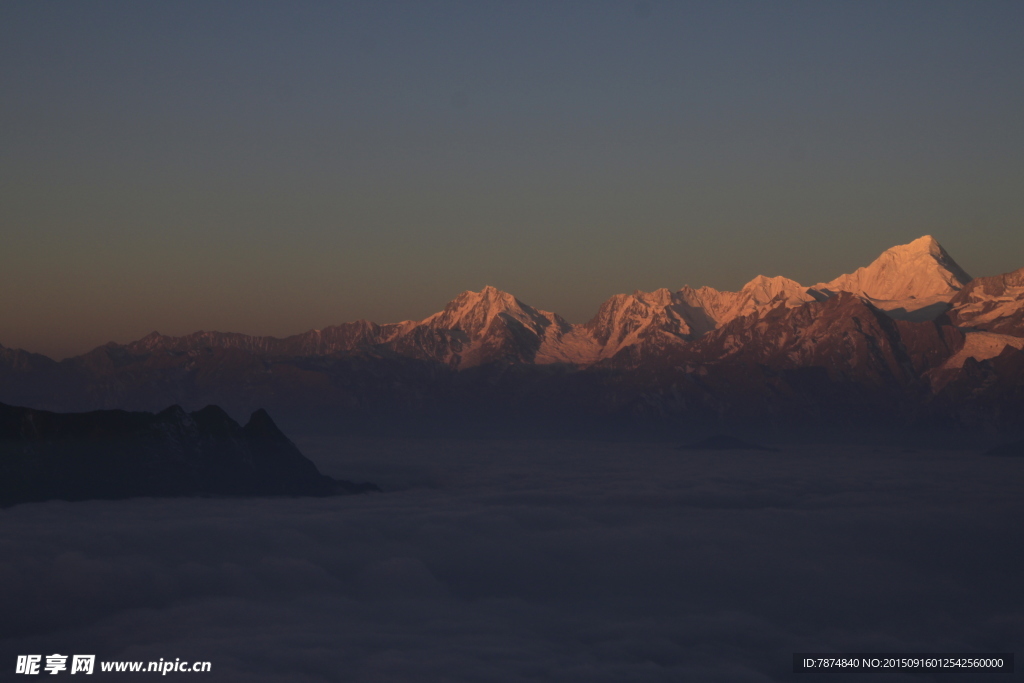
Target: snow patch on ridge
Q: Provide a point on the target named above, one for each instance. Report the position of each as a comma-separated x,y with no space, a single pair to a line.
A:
758,295
982,346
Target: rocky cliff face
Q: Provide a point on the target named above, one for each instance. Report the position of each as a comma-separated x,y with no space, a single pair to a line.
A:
993,304
120,454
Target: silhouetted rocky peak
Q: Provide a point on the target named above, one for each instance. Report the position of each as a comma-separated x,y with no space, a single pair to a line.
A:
120,454
261,426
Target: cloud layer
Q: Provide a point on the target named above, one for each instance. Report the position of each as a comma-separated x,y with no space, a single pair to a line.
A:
534,561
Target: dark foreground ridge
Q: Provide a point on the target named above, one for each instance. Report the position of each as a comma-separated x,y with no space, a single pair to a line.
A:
723,442
111,454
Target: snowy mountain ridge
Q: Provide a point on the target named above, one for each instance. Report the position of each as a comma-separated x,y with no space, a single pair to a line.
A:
915,281
942,350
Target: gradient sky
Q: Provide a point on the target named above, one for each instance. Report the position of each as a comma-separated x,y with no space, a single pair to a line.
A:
274,167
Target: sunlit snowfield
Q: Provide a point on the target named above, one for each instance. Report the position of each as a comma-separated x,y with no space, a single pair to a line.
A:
536,561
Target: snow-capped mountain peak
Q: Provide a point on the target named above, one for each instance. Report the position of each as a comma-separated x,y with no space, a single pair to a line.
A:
764,289
489,325
920,270
643,320
473,312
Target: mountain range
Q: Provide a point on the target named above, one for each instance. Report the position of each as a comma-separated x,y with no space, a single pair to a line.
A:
908,340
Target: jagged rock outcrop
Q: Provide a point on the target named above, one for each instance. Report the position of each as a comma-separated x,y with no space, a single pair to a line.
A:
118,454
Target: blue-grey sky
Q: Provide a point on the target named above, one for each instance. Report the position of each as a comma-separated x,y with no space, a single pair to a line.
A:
273,167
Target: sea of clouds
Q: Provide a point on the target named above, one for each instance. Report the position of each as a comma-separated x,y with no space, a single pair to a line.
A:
535,561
